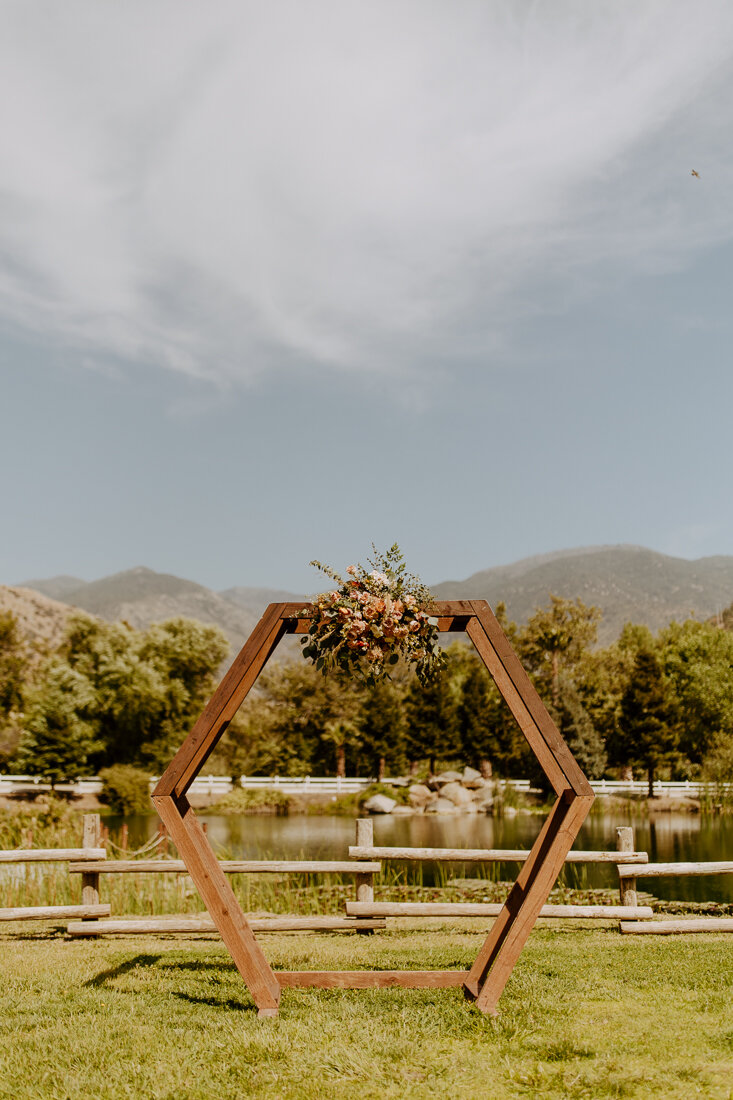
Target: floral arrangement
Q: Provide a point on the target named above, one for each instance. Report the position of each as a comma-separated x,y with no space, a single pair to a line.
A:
365,624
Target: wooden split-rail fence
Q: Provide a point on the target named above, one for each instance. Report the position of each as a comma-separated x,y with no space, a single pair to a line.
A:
364,914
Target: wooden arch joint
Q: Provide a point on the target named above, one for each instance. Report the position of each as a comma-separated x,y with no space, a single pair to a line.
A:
486,979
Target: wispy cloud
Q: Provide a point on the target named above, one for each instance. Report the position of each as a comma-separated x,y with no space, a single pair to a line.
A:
218,189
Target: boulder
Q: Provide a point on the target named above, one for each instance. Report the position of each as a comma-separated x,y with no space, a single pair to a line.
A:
483,801
405,811
456,794
419,794
379,804
440,806
472,779
447,777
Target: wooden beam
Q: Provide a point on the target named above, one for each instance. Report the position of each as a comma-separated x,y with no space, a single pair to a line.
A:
503,945
223,705
487,855
219,899
667,870
370,979
54,912
674,927
229,866
52,855
499,953
520,694
490,909
185,924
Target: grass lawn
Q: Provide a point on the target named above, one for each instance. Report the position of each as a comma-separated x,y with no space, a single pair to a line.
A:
587,1013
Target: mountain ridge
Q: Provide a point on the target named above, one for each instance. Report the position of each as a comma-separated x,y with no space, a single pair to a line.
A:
628,583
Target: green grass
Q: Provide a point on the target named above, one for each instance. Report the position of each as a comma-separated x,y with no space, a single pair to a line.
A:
585,1014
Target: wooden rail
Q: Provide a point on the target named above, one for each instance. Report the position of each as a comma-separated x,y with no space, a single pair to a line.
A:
489,909
667,870
671,927
230,866
84,859
52,855
53,912
487,855
187,925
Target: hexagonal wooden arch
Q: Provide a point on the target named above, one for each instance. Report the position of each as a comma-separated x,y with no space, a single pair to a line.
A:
486,979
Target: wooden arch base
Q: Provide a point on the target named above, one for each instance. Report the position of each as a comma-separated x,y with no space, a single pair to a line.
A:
486,979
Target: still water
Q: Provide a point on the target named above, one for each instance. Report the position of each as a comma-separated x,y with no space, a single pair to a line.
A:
668,838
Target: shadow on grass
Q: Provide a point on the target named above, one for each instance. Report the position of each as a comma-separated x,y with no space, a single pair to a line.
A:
123,968
163,965
214,1002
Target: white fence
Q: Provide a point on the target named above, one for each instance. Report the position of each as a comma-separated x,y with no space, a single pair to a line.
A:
325,784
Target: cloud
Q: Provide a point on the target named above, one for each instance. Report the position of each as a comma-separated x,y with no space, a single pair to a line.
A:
380,187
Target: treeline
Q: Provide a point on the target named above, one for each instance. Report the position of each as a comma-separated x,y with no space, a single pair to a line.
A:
108,695
660,705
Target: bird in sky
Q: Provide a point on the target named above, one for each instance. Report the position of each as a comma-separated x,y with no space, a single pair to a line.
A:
694,173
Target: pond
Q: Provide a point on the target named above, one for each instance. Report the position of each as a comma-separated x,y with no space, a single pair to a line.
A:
666,837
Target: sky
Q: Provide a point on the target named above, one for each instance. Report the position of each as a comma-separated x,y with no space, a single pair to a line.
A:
281,280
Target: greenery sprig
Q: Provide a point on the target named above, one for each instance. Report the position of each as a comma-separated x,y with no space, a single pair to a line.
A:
377,615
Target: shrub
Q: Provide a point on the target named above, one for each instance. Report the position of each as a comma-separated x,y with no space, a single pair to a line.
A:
126,789
261,800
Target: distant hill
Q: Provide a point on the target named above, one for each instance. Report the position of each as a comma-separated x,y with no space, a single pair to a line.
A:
628,583
256,600
141,596
41,621
56,588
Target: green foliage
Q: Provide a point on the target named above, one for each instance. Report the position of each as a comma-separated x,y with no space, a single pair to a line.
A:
577,728
431,714
717,770
13,672
487,728
242,801
697,659
555,639
13,663
647,735
126,789
382,728
117,695
59,738
51,822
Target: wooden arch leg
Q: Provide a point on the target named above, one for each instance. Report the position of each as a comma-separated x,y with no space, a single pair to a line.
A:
219,899
510,931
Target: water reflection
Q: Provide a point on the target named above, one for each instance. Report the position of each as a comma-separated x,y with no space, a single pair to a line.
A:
666,837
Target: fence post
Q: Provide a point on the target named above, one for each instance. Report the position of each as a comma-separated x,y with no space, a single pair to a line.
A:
91,838
627,886
364,839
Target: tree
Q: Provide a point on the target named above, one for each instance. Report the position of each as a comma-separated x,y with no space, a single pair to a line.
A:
13,671
297,719
341,734
57,742
382,728
647,733
490,736
697,659
602,676
577,728
554,641
431,712
139,691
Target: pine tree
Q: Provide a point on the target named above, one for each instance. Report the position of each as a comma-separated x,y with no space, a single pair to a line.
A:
647,733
